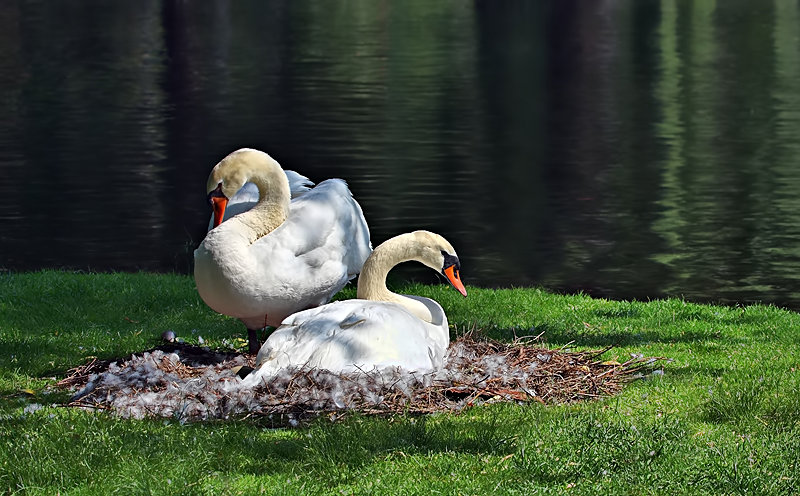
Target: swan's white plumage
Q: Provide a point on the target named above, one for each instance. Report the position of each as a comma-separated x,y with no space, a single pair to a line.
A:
262,277
353,335
380,330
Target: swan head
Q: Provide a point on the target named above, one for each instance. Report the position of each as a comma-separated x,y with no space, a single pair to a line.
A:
231,174
438,254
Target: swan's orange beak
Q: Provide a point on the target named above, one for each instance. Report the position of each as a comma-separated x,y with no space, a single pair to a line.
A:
218,203
452,275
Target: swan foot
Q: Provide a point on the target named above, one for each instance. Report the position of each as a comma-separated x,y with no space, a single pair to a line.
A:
253,344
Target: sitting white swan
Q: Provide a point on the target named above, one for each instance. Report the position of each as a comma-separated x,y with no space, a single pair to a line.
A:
282,255
380,329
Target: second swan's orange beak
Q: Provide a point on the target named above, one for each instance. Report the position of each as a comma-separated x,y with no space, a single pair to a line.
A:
453,276
218,202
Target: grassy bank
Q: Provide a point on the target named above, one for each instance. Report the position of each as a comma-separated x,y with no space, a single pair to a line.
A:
723,418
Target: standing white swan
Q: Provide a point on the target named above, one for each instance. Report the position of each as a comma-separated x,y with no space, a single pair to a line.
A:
282,255
380,329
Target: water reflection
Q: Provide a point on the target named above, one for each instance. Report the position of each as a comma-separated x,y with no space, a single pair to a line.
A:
631,149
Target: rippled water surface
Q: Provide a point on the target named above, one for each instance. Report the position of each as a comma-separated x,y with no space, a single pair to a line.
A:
629,149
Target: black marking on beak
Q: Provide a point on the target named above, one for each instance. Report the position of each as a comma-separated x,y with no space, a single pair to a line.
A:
216,193
450,261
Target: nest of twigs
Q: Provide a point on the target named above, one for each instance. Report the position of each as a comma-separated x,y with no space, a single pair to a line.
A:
193,383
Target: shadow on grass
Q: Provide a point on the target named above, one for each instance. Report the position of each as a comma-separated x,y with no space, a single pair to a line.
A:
345,447
330,451
46,443
37,357
590,337
40,356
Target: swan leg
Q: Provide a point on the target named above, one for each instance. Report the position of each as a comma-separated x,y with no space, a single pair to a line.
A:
253,344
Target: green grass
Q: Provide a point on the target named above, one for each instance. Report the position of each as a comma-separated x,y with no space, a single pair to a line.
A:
724,418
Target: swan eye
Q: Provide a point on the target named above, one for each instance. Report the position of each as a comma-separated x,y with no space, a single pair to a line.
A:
216,193
451,261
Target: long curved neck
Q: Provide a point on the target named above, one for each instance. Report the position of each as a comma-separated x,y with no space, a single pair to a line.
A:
372,279
274,194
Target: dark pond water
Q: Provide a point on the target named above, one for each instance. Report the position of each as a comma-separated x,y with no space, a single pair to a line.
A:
628,149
